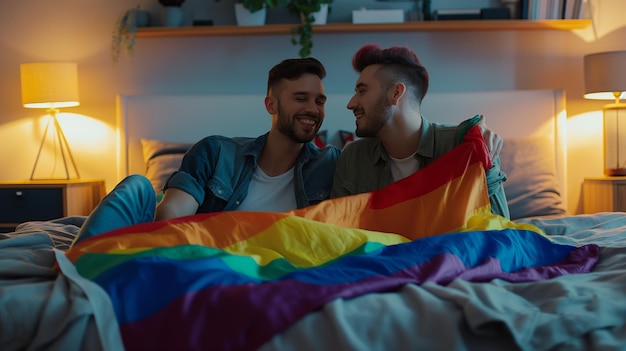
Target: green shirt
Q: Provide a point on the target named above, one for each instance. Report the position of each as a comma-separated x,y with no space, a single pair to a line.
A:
364,165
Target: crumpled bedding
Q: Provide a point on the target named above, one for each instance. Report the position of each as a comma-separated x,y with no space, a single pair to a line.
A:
606,228
45,308
61,231
571,312
574,312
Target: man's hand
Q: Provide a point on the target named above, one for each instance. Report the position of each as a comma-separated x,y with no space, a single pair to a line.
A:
494,141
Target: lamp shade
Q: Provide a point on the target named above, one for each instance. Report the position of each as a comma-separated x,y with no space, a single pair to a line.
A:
605,74
49,84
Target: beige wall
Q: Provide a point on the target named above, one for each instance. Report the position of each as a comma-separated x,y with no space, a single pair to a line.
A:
80,31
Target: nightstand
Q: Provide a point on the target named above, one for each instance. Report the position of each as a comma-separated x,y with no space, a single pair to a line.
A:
42,200
604,194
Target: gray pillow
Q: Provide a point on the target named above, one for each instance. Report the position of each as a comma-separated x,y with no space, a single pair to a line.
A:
531,187
162,159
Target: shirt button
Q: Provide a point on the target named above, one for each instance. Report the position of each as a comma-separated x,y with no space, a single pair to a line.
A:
219,191
237,202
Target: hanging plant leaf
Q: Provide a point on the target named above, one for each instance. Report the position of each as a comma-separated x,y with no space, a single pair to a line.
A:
304,32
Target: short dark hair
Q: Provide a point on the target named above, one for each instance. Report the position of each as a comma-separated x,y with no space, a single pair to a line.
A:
292,69
399,63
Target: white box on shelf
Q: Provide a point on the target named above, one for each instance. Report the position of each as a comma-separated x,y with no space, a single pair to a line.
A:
377,16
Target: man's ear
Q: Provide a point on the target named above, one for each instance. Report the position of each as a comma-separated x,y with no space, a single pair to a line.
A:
397,92
270,105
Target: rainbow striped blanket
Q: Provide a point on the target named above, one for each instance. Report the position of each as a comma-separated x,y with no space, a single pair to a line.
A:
233,280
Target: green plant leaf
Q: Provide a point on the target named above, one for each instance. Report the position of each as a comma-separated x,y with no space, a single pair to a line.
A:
305,9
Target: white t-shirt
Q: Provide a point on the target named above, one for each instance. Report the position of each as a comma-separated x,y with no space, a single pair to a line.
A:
402,168
270,194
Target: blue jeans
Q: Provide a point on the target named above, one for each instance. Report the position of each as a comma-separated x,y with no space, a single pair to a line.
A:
132,201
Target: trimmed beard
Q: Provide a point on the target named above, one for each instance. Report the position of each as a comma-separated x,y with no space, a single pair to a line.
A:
286,126
376,119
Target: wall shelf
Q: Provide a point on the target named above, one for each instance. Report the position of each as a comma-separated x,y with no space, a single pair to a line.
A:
426,26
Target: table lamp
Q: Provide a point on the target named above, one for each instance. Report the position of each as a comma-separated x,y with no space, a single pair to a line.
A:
605,79
51,85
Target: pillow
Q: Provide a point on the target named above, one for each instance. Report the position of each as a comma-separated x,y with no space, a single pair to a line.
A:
162,159
321,139
531,187
346,137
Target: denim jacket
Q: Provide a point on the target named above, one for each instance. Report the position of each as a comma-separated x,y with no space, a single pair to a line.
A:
217,171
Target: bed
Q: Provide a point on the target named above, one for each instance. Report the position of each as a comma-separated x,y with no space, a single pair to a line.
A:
378,279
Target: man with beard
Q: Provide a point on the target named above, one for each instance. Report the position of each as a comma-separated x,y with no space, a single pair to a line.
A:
278,171
396,139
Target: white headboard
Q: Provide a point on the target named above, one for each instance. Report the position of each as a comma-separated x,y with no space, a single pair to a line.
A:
188,118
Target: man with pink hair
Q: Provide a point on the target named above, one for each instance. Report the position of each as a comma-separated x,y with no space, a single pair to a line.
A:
395,139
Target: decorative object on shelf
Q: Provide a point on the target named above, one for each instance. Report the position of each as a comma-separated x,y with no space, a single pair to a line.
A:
321,16
253,12
51,85
605,79
172,13
426,10
362,16
416,15
256,5
247,17
514,7
456,14
125,30
306,9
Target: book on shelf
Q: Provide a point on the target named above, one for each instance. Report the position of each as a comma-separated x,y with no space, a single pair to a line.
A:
553,9
568,9
526,6
488,13
456,14
580,9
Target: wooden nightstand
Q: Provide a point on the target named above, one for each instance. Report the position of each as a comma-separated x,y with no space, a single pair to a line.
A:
604,194
42,200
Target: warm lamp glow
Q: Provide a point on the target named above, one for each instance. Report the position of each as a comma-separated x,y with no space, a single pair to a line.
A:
51,85
605,79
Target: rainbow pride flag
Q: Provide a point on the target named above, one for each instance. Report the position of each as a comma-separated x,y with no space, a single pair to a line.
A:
233,280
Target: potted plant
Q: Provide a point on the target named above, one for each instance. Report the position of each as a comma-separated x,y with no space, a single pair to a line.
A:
256,5
306,9
125,29
252,12
172,14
